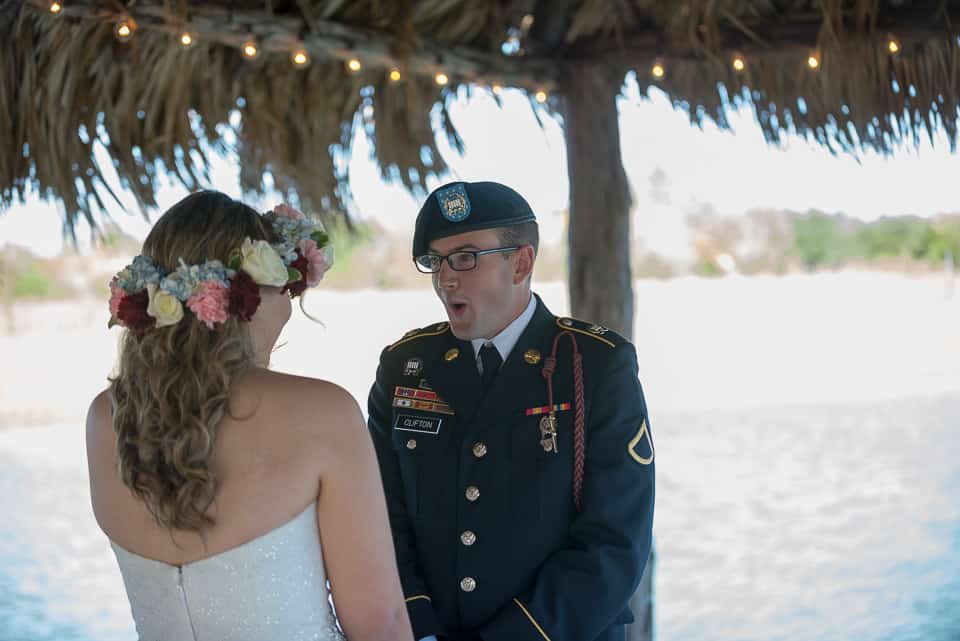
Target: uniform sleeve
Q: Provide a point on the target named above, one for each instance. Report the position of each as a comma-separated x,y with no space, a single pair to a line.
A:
419,603
581,588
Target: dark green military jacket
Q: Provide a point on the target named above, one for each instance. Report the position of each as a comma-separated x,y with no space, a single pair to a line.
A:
488,540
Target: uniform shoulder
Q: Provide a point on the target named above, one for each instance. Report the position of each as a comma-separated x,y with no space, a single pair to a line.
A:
601,335
419,335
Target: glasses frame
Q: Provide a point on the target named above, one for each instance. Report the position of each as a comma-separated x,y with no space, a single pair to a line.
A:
479,252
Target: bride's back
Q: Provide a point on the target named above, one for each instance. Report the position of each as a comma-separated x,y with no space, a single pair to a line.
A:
281,437
258,572
214,478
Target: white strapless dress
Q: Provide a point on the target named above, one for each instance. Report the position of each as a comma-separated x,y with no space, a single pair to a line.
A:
273,588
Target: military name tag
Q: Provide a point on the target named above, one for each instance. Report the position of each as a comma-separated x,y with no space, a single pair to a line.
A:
421,424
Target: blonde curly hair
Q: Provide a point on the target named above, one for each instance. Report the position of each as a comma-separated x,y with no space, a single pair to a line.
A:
172,387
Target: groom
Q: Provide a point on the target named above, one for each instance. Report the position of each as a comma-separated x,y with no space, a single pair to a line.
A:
514,446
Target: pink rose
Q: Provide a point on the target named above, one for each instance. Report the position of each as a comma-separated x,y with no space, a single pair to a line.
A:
317,262
116,295
209,303
287,211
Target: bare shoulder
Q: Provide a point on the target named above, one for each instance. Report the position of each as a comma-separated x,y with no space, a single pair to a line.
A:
99,418
313,405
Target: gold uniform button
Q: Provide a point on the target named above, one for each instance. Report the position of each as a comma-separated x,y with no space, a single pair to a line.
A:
468,538
451,354
531,356
468,584
472,493
479,449
412,444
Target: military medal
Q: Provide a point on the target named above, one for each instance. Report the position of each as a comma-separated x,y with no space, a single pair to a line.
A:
548,432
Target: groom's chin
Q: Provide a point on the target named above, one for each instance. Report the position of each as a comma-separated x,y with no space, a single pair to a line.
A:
460,330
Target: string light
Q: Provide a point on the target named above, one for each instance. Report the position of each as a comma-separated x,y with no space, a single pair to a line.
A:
658,71
125,29
55,8
249,49
300,58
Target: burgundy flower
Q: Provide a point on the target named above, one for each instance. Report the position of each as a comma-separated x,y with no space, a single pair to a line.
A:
302,265
244,296
132,312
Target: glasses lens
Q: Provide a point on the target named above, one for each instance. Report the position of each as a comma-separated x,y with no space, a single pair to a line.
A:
462,261
428,263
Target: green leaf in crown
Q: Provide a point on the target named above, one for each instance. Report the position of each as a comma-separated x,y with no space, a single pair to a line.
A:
235,260
293,275
321,238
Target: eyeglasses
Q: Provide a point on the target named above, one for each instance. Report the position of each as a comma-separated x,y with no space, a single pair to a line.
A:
459,261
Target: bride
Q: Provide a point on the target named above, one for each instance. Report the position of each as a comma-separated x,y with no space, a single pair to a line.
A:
216,479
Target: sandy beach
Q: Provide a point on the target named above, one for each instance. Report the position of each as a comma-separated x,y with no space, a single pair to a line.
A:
805,430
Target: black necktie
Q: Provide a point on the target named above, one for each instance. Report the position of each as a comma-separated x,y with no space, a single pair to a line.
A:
491,360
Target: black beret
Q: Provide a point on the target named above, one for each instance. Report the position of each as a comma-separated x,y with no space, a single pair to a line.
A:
459,207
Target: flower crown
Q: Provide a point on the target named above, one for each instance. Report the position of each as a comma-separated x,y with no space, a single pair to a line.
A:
143,296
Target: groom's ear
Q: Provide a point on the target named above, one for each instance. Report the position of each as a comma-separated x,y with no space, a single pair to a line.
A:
524,265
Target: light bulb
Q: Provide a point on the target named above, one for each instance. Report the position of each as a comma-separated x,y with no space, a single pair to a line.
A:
300,58
250,49
124,29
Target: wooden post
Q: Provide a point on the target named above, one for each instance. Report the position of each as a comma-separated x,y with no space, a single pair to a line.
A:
601,284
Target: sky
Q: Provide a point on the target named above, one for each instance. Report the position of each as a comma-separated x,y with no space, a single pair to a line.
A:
730,171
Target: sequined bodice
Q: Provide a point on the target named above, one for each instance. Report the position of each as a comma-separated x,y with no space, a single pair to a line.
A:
271,588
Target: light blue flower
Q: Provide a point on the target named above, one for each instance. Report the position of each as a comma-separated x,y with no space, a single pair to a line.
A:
138,274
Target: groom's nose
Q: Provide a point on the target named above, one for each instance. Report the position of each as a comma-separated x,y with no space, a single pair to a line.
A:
447,278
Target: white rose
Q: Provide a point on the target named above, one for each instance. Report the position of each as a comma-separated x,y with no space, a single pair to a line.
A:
163,306
263,263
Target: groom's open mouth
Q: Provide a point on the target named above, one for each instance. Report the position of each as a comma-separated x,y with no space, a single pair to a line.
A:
456,309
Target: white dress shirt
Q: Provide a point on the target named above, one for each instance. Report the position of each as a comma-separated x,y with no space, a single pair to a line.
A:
507,339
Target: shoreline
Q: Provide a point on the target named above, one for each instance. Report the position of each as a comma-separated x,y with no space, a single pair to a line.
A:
702,344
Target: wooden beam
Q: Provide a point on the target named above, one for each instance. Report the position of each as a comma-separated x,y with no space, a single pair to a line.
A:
327,40
909,27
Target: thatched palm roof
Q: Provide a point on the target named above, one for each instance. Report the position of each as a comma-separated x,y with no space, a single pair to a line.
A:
67,82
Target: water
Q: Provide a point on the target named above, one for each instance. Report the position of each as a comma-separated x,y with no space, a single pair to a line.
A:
824,522
803,523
